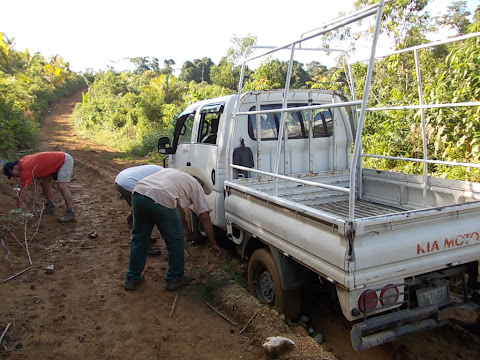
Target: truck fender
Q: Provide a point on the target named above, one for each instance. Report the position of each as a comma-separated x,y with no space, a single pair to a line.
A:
292,274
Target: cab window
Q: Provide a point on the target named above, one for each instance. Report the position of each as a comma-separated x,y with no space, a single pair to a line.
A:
297,123
209,122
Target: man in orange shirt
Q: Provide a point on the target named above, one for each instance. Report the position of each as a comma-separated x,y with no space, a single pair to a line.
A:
45,166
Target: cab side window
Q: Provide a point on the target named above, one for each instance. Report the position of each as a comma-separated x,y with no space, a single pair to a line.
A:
209,128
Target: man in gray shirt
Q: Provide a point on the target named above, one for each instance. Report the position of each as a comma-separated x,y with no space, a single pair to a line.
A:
126,181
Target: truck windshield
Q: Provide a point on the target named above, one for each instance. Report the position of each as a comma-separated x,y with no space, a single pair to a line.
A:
297,124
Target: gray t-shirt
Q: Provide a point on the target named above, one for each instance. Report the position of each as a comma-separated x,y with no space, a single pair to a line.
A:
129,177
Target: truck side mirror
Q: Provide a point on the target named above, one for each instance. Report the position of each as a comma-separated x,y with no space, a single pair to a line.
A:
164,146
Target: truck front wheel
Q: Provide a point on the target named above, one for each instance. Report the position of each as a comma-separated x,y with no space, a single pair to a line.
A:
264,283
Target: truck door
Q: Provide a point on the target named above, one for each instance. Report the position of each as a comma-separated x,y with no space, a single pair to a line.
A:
182,141
206,150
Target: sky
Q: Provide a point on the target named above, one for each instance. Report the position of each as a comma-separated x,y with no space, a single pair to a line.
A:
97,34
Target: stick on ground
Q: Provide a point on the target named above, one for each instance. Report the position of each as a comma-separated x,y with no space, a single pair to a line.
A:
248,322
174,302
226,318
4,332
14,276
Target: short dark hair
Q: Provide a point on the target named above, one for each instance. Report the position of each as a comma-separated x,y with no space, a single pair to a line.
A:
8,168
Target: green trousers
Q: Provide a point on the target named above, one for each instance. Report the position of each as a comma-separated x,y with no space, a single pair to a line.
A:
146,214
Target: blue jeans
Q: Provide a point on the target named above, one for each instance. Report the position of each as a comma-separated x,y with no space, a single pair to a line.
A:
146,214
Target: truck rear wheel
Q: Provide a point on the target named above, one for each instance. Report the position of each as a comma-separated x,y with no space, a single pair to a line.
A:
264,283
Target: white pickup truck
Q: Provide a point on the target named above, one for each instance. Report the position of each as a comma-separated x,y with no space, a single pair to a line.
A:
290,191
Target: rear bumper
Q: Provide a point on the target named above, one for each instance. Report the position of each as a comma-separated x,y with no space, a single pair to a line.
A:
382,329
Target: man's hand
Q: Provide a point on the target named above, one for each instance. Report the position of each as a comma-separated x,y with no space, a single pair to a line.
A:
189,236
215,248
208,228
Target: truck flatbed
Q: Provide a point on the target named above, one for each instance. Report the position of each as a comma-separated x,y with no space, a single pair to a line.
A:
328,201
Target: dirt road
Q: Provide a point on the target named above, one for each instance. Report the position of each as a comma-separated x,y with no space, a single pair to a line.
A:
79,310
70,303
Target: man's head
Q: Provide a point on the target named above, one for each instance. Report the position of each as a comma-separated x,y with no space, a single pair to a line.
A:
201,177
11,169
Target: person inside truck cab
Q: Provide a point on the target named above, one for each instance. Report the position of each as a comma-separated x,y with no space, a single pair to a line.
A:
211,137
159,199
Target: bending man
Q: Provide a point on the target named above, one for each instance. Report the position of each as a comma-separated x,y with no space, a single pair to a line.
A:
46,167
159,199
126,181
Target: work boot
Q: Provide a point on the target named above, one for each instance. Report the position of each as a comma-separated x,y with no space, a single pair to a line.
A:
132,283
68,217
178,282
48,209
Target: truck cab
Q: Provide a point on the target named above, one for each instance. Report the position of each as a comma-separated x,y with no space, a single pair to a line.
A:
206,136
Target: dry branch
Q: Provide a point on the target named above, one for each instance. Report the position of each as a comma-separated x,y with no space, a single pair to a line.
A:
4,332
14,276
248,322
174,302
219,313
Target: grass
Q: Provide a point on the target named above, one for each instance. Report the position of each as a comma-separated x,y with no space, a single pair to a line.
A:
238,278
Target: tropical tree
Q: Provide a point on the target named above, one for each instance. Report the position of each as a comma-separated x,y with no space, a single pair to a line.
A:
168,86
167,67
457,79
456,17
198,70
8,56
54,75
227,73
400,16
269,75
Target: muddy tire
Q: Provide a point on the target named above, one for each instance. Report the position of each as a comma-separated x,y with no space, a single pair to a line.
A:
264,284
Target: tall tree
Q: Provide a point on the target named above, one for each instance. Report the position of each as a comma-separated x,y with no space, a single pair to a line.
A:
144,64
227,73
456,17
198,70
400,16
167,67
8,56
168,86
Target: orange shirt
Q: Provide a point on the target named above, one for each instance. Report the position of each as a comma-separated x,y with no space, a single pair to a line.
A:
40,165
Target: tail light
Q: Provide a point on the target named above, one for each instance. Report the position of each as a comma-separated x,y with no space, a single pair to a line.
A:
368,300
389,295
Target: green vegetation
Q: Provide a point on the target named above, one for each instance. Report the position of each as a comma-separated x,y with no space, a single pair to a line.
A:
130,110
29,85
450,73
